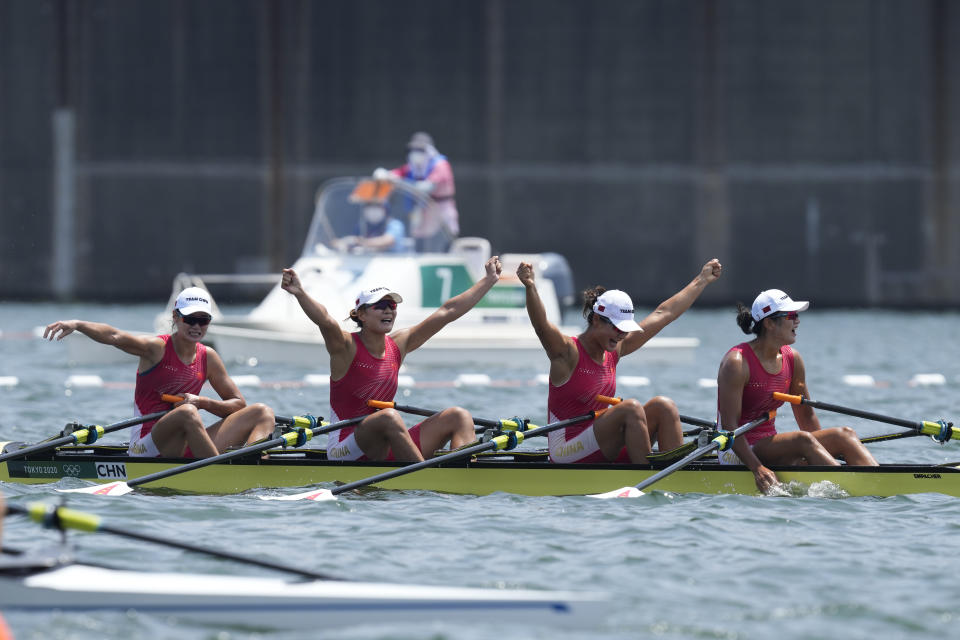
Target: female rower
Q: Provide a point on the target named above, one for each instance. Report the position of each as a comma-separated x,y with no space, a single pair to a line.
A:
178,364
749,374
364,366
584,366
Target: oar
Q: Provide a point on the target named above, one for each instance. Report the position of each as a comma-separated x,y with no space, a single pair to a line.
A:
698,422
87,435
723,441
511,424
505,441
63,518
296,438
940,430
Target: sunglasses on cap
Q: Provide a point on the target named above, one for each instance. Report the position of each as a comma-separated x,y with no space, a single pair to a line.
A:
383,305
790,315
195,320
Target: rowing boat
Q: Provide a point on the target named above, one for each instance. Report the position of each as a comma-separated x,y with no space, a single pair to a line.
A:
32,585
521,472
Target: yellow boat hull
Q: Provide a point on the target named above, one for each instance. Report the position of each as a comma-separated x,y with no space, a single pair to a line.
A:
521,473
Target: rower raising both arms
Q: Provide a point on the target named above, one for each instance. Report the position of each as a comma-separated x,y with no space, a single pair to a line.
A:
365,365
749,374
584,366
179,364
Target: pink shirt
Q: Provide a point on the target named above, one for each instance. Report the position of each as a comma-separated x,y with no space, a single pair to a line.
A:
758,391
578,395
170,376
443,206
369,378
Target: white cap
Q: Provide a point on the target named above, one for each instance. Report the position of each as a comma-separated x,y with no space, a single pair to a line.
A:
369,296
617,307
193,300
773,300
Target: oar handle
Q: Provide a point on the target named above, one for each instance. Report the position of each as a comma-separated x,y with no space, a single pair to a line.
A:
920,426
63,518
166,397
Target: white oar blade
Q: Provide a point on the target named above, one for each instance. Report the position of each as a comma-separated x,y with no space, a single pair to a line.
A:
625,492
317,495
109,489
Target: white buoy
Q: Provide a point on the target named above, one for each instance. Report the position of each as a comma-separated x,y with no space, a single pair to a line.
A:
316,380
928,380
542,378
406,381
859,380
707,383
9,381
472,380
248,380
83,380
633,381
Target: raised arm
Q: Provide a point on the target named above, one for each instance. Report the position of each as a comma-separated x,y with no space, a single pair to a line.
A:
733,376
671,308
559,348
336,340
146,347
414,337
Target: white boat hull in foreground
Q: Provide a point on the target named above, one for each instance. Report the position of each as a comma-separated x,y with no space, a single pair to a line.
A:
271,603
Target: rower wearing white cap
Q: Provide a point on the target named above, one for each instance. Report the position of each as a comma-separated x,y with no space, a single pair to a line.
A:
179,364
364,365
749,374
585,366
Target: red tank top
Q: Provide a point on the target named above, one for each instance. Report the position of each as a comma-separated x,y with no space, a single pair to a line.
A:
369,378
758,392
578,395
171,376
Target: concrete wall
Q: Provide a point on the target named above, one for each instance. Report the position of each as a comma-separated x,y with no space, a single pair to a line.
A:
811,146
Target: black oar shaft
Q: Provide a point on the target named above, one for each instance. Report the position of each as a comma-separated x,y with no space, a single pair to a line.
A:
420,411
699,453
63,518
858,413
229,455
52,444
456,455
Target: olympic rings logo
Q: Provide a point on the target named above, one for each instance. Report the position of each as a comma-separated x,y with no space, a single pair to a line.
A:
72,470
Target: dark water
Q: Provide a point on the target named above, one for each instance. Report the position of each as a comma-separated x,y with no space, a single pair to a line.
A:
677,566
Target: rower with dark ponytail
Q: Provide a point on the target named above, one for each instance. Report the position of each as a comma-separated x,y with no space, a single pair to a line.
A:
584,367
746,322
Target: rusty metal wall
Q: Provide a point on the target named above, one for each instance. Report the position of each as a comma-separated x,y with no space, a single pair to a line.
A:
811,146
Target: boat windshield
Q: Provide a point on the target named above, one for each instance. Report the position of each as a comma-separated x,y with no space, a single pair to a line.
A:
339,213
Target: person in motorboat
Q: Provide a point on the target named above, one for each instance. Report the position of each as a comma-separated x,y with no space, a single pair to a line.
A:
364,365
584,366
377,231
431,173
179,364
749,374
